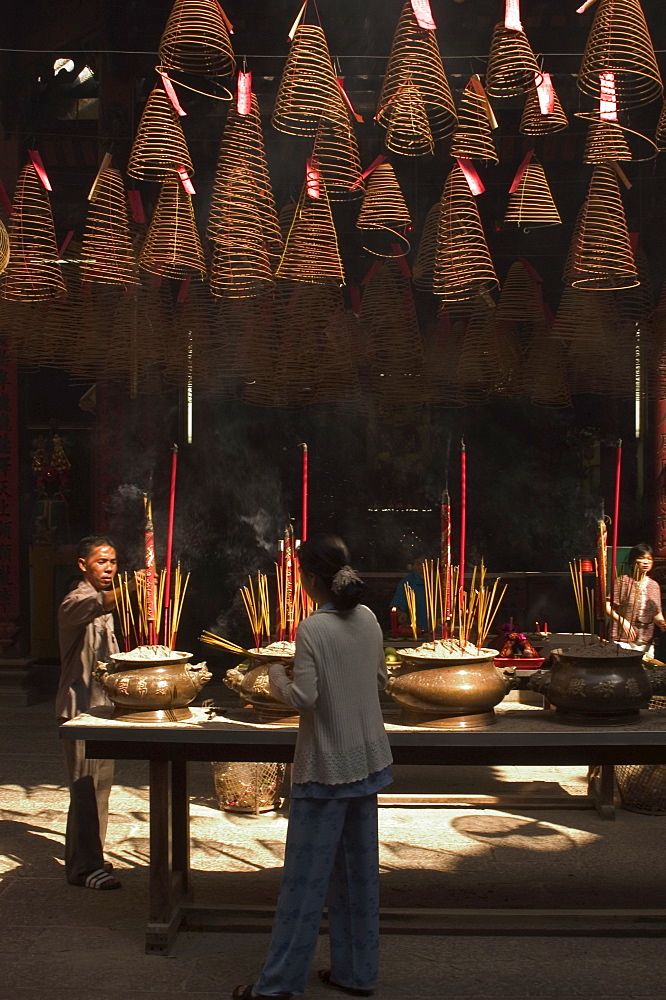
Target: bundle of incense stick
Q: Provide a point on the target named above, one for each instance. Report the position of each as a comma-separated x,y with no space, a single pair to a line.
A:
487,607
217,640
255,599
432,579
579,591
410,597
125,613
137,629
177,599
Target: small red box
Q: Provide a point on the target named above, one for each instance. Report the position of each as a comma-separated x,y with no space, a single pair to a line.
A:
520,662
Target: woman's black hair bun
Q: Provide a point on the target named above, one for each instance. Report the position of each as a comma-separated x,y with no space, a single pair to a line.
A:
347,588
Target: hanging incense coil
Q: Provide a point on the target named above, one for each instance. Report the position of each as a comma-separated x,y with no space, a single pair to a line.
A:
159,150
660,137
481,367
442,355
534,122
605,141
4,247
308,91
582,315
32,272
196,39
409,131
532,202
512,67
107,252
384,206
619,43
338,377
415,60
600,255
241,266
286,217
544,373
521,297
311,252
463,266
243,143
473,139
173,248
335,151
424,265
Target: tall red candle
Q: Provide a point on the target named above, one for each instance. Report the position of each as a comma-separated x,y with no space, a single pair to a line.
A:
463,517
169,544
616,518
445,560
149,549
304,515
394,623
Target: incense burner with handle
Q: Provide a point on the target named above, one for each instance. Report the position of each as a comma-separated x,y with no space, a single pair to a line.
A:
250,681
156,688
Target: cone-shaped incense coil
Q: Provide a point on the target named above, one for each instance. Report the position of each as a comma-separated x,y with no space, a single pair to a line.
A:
241,266
511,66
481,365
384,206
32,272
243,143
308,89
463,266
4,247
159,149
173,248
534,122
520,298
196,39
338,377
473,139
584,315
619,43
336,152
544,374
442,355
311,251
601,254
660,137
415,59
409,131
605,141
532,201
107,253
424,265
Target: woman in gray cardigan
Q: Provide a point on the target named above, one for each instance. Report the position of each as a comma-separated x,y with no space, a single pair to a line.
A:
342,759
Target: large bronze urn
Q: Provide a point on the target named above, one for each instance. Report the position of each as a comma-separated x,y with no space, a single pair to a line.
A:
157,688
250,681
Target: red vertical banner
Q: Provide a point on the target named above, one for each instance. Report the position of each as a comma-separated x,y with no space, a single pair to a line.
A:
9,498
660,469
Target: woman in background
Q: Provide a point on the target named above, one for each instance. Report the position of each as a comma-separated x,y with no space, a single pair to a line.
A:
637,602
342,759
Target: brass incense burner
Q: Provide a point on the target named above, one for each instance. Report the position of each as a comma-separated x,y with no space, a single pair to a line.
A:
152,684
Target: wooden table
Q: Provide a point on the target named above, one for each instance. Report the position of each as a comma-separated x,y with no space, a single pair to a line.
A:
522,736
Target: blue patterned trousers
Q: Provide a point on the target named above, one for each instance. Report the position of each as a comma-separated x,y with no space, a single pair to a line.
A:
332,857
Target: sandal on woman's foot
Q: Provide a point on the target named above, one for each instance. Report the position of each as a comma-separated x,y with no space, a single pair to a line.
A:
244,992
325,977
108,866
100,879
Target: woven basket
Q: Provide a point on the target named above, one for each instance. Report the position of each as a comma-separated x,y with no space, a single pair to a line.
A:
642,787
247,787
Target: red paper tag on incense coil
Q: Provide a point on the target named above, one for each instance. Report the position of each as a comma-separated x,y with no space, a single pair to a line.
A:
355,299
345,96
372,272
299,18
512,15
312,179
400,260
65,243
5,200
423,14
520,171
229,25
475,84
244,93
136,206
588,3
476,185
39,169
184,289
172,95
185,180
607,97
545,93
366,173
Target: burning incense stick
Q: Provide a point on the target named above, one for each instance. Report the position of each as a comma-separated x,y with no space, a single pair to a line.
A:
433,593
411,607
616,518
579,591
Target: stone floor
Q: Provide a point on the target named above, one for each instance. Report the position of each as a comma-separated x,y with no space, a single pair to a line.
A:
64,943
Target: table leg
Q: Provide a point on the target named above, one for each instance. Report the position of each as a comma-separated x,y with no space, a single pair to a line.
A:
166,888
601,789
180,828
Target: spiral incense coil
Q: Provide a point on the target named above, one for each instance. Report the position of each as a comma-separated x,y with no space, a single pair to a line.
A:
192,351
243,143
544,372
286,217
619,43
415,59
409,131
107,252
463,266
336,152
308,91
473,139
605,141
424,265
384,206
637,304
196,39
511,68
241,266
442,354
520,299
173,248
4,247
534,122
481,366
311,252
159,149
32,272
532,203
601,255
389,316
660,137
338,378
